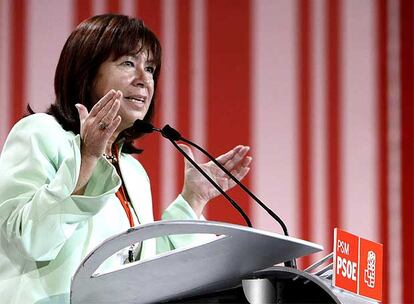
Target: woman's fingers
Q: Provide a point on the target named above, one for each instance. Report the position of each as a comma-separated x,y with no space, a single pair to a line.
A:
236,161
104,110
107,119
246,161
242,166
239,175
222,159
111,95
82,111
189,152
102,113
114,124
236,158
100,124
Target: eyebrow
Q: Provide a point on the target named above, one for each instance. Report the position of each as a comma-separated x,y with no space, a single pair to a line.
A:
135,55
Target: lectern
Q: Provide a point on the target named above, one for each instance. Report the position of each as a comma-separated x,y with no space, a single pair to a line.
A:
236,266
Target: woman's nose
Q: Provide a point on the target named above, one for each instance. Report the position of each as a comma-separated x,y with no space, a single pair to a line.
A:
141,78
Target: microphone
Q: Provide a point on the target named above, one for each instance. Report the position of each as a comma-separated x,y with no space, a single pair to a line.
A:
146,127
170,133
173,135
143,126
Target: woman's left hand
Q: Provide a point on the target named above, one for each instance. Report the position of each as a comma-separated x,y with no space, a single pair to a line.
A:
197,190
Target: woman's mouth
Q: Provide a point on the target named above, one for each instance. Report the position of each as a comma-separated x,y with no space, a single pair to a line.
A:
137,99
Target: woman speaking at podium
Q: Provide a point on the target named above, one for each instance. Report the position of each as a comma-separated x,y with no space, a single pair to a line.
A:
68,180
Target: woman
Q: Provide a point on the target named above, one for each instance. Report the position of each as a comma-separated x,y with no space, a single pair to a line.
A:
68,180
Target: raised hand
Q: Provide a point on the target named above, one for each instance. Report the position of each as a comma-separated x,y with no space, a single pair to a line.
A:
97,127
197,191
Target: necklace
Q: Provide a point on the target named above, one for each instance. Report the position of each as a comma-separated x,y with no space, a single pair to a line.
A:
111,158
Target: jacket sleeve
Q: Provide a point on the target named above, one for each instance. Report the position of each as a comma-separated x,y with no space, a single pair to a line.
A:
39,168
181,210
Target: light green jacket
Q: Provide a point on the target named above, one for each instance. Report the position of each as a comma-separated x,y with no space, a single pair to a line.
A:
45,231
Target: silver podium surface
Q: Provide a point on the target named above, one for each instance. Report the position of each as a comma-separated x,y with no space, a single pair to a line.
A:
186,272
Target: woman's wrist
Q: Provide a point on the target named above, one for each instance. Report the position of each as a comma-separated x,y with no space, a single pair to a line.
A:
196,203
88,164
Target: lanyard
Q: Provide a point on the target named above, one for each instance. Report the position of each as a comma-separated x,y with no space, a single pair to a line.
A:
121,194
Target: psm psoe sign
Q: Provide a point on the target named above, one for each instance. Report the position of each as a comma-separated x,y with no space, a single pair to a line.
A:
357,265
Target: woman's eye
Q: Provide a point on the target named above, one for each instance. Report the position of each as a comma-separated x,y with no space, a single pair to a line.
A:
150,69
128,63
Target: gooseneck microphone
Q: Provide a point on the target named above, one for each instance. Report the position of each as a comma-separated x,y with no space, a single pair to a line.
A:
173,135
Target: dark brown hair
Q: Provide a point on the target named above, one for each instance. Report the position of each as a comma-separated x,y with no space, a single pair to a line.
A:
88,46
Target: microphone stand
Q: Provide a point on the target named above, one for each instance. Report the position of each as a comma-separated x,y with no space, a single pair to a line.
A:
173,135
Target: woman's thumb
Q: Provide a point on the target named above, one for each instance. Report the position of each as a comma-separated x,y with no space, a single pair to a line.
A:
82,111
188,151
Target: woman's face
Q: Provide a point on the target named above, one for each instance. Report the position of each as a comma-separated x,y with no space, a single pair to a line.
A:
133,76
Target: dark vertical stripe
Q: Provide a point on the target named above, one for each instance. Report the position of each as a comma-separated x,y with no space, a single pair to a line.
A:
382,148
304,120
333,115
228,88
18,10
112,6
407,145
83,10
150,12
183,71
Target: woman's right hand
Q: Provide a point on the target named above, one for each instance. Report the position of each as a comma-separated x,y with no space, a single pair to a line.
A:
97,127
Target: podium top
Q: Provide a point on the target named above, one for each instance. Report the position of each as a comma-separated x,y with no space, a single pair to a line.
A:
183,272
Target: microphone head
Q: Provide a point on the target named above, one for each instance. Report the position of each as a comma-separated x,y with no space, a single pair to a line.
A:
143,126
170,133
